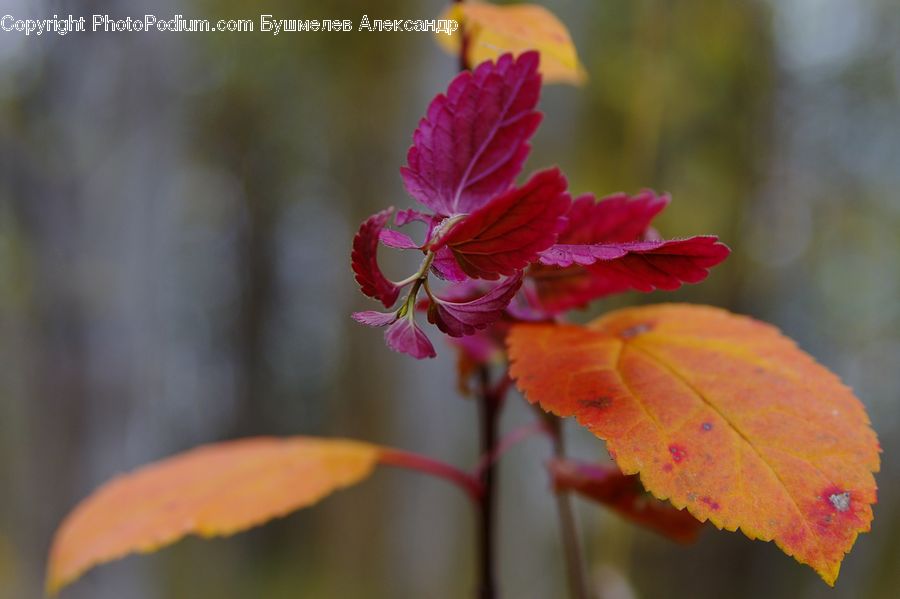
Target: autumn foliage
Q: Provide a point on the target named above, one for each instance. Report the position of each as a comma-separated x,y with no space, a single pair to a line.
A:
214,490
466,154
708,416
719,414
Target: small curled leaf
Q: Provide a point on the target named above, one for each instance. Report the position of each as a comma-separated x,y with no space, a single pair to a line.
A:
372,318
405,337
397,240
459,319
364,260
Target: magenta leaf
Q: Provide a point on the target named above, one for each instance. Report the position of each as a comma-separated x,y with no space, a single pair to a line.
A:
364,260
666,267
526,306
446,267
406,337
405,217
609,247
472,143
374,319
616,267
564,254
480,348
459,319
615,218
509,232
396,239
561,289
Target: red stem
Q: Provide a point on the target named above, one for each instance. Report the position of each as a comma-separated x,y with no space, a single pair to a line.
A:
510,440
413,461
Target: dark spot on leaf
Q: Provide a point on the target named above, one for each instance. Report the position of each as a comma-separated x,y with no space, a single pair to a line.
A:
667,467
678,453
634,331
840,501
707,426
713,505
596,404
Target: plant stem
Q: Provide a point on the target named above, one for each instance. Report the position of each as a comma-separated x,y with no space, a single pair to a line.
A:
578,588
413,461
489,407
510,440
489,404
423,270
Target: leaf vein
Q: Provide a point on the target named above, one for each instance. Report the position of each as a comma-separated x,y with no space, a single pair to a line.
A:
681,377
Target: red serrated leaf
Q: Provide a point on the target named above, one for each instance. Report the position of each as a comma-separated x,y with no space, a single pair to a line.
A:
666,266
364,260
459,319
561,289
592,271
613,229
508,233
675,260
614,219
625,495
473,141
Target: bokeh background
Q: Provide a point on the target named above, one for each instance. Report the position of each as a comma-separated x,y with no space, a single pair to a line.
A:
176,213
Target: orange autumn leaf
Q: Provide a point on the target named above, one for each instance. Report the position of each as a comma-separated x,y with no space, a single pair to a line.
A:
213,490
718,413
494,30
624,495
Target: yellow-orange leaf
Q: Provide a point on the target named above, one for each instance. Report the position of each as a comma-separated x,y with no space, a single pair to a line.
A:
720,414
214,490
494,30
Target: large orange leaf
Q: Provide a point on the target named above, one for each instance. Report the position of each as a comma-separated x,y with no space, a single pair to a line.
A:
494,30
718,413
214,490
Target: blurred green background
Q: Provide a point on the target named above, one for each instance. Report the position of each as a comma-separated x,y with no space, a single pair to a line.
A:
176,213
